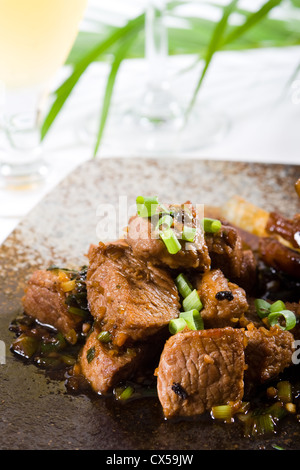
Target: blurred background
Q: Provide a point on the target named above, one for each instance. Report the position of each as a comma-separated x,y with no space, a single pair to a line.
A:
165,79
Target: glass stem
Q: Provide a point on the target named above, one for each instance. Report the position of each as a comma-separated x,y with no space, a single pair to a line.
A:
156,43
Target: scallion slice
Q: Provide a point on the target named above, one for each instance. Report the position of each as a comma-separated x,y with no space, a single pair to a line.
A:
192,302
170,240
193,319
122,393
284,388
262,308
166,221
176,325
104,337
223,412
77,311
277,306
146,206
211,225
183,285
288,317
188,234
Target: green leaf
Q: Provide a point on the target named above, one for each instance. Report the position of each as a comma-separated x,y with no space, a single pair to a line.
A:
252,20
213,46
64,91
120,55
218,41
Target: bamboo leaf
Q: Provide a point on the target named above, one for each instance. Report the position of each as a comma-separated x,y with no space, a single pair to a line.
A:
213,46
64,91
252,20
120,55
218,40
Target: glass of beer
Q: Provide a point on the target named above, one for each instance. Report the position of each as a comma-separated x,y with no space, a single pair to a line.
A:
36,37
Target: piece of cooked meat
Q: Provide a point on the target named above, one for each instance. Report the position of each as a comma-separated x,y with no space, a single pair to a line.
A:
268,353
45,300
201,369
227,253
105,365
146,244
280,257
131,298
224,303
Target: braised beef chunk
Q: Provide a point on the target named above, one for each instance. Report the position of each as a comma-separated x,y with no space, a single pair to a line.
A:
45,300
228,254
268,353
201,369
224,303
289,229
130,297
146,244
280,257
105,365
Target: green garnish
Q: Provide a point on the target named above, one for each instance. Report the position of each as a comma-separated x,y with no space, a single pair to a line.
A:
211,225
166,221
146,206
193,319
176,325
284,393
288,317
277,306
188,234
104,337
192,302
122,393
223,412
262,308
183,285
170,240
276,313
90,354
77,311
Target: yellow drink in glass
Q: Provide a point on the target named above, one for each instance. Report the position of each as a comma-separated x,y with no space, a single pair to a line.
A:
36,37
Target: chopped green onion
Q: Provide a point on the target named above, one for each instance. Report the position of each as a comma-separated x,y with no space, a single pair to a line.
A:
104,337
263,424
277,411
262,308
288,316
183,285
211,225
192,302
166,220
122,393
77,311
223,412
170,240
25,346
176,325
284,391
146,206
90,354
193,319
188,234
277,306
55,345
163,209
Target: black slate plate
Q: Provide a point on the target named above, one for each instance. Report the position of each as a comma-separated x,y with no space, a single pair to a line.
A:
36,412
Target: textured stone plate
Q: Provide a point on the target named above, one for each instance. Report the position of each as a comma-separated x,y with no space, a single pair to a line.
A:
35,411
